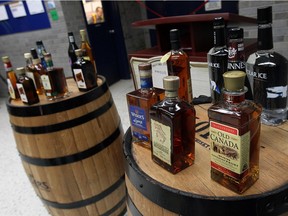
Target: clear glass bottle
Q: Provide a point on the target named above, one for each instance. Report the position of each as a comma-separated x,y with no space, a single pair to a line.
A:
173,129
41,51
84,72
178,65
86,48
11,78
26,87
217,59
33,73
139,103
234,136
71,50
236,56
268,73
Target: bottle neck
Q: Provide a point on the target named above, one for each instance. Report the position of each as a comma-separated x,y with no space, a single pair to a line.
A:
8,66
232,97
29,61
146,82
49,65
171,94
175,45
83,38
71,39
219,37
265,37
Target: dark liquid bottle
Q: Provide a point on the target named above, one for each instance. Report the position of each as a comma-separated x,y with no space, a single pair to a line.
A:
217,59
173,129
41,52
84,72
71,50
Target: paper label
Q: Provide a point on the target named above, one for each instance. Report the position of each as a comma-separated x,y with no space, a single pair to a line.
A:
138,117
31,75
46,82
79,79
11,89
22,92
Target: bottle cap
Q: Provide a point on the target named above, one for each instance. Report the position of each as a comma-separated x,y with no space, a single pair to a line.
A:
82,31
171,83
70,34
264,15
5,59
174,35
235,33
39,42
234,80
78,52
218,22
20,70
27,55
34,53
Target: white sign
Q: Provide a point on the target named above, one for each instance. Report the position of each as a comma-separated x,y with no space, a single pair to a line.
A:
35,6
17,9
3,13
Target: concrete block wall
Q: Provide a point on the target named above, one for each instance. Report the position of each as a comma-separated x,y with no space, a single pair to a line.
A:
280,22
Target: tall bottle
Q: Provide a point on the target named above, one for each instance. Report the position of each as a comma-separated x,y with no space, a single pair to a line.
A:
11,78
217,59
236,56
84,72
267,71
26,87
234,136
173,129
41,51
32,73
71,50
37,65
178,65
139,103
86,48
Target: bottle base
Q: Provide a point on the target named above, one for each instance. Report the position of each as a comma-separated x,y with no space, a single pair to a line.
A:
142,143
274,117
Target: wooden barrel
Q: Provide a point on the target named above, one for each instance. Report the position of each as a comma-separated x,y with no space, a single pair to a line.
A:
71,150
152,190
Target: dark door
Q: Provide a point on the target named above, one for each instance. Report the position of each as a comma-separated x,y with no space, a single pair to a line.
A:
106,38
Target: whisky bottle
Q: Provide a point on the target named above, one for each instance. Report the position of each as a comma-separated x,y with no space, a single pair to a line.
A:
217,59
11,78
234,136
26,87
267,71
139,103
86,48
41,51
178,65
84,72
173,129
236,56
32,73
71,50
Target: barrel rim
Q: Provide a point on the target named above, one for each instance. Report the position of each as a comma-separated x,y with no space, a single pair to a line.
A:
58,105
136,175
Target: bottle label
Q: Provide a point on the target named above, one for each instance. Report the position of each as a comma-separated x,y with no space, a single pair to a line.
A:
146,82
138,117
229,151
79,79
161,141
31,75
8,67
236,56
140,136
71,39
86,57
22,92
11,89
46,82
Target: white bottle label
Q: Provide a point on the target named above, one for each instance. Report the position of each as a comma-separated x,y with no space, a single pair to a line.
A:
22,92
79,79
11,89
31,75
46,82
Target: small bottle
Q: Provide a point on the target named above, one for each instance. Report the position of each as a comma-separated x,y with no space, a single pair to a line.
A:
84,72
41,51
139,103
57,78
217,59
86,48
37,65
178,65
32,73
173,129
26,88
11,78
267,71
236,56
71,50
234,136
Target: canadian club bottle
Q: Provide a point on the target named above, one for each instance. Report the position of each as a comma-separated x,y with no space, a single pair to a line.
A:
86,48
11,78
267,71
84,72
236,56
71,50
178,65
217,59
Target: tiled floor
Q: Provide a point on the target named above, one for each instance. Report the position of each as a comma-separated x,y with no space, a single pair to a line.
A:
17,195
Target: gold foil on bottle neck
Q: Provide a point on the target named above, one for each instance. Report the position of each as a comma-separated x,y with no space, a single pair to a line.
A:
234,80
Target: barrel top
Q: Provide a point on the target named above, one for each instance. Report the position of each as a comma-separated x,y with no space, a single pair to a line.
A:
46,107
195,181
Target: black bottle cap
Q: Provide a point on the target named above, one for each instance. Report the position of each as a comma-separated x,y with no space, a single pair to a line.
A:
174,35
264,15
39,42
218,21
34,53
70,34
235,33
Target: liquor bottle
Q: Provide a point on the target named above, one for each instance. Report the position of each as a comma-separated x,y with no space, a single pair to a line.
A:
267,71
11,78
217,59
57,79
234,136
37,65
178,65
86,48
71,50
41,51
236,56
173,129
26,87
139,103
32,73
84,72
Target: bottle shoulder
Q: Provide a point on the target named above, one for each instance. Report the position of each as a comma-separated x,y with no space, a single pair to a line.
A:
143,94
172,107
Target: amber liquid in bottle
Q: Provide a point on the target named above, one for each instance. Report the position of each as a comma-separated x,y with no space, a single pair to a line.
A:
234,136
173,131
86,48
178,65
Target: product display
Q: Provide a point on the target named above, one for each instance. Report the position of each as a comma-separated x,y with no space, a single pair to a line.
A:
173,129
234,136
